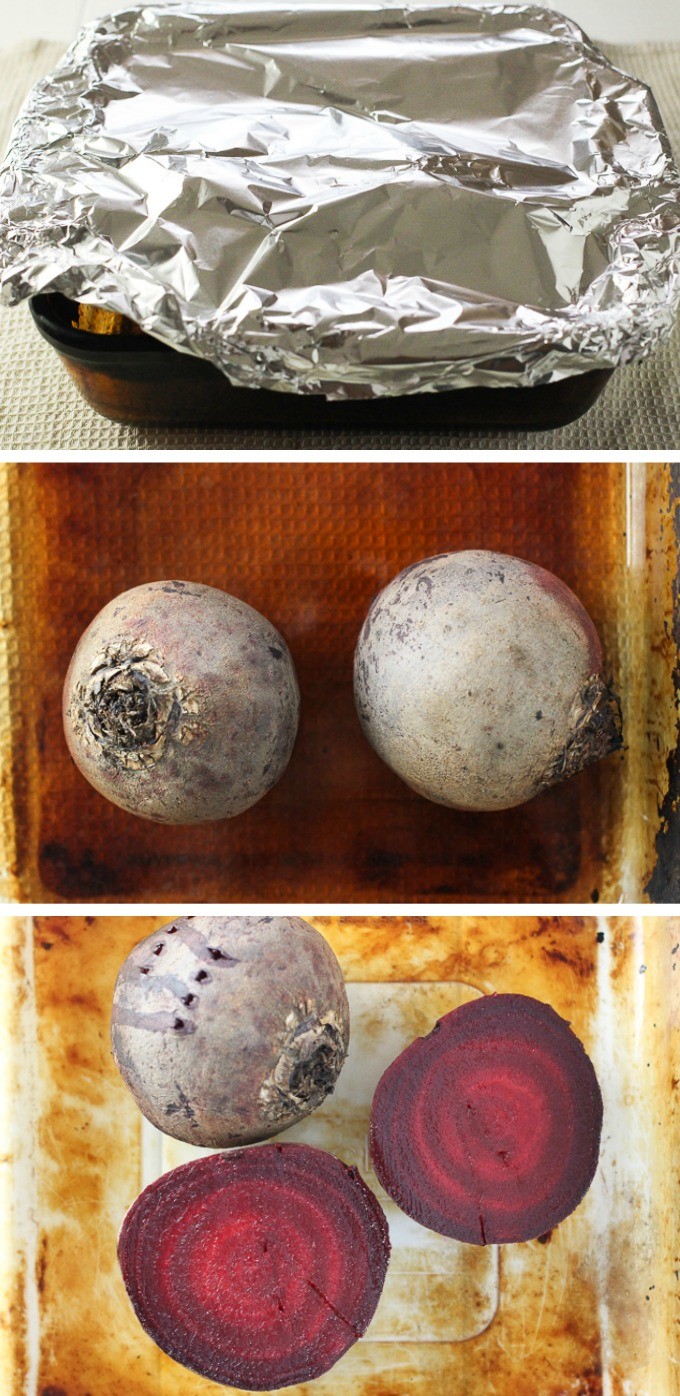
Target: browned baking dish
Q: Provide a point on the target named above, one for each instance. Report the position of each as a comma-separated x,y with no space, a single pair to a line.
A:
586,1310
134,378
309,545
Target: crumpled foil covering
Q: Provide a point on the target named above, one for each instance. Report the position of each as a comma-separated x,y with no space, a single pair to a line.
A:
356,201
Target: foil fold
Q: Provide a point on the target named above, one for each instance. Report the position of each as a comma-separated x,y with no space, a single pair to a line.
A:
360,202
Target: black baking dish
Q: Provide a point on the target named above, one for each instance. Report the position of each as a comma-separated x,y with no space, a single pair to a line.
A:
138,379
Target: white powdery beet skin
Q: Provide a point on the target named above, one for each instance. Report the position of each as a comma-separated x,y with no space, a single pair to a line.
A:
229,1029
478,679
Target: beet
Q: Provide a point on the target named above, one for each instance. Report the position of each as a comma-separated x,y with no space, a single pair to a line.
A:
228,1029
479,679
257,1268
488,1130
181,703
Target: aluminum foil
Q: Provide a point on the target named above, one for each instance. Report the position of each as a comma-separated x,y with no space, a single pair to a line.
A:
356,201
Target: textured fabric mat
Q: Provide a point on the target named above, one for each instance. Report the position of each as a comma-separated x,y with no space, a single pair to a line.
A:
40,409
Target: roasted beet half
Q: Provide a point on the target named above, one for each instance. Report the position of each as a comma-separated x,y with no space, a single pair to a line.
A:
488,1130
479,679
228,1029
257,1268
181,703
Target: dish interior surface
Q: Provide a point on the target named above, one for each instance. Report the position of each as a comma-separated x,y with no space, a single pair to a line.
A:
309,545
586,1309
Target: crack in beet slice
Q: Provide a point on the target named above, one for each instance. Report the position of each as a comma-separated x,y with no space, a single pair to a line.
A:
488,1130
348,1323
257,1268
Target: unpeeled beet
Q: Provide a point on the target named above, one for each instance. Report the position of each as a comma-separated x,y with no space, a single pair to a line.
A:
257,1268
488,1130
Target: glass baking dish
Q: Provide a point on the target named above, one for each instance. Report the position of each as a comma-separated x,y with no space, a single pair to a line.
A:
309,545
586,1310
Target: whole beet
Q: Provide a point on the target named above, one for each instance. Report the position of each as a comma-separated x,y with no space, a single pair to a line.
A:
181,703
230,1029
478,679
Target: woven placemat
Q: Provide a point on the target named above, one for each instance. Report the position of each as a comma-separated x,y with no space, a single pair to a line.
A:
42,410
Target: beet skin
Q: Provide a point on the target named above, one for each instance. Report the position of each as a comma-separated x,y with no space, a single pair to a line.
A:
229,1029
488,1130
259,1268
181,703
479,680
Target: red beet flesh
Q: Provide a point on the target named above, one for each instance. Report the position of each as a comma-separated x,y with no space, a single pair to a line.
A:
488,1130
256,1268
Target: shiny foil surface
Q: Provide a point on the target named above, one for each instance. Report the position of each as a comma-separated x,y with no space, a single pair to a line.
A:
358,201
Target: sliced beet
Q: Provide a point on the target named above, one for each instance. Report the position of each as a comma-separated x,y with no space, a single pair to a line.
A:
488,1130
256,1268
